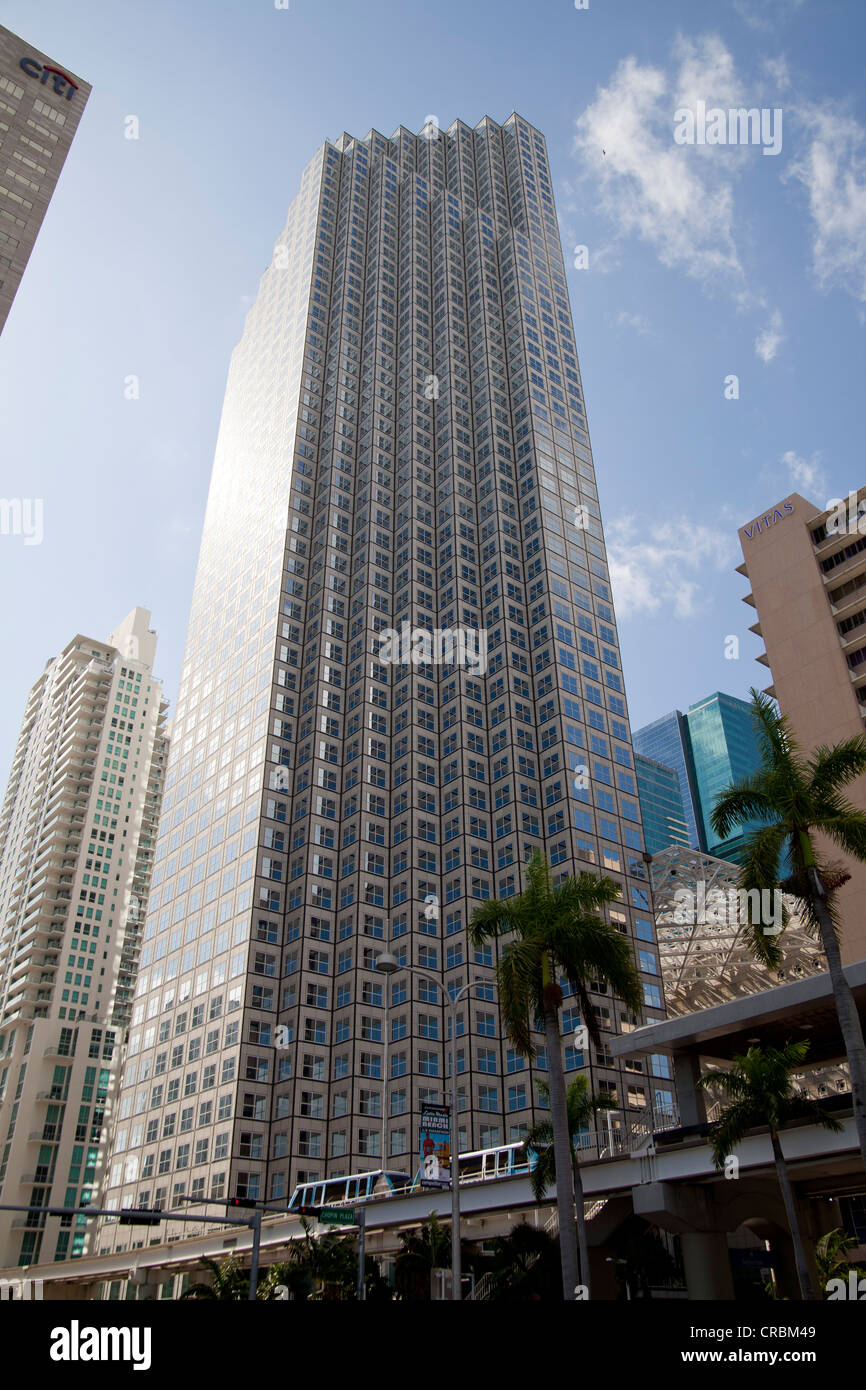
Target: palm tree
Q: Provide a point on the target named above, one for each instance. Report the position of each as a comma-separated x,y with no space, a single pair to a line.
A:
422,1251
554,929
831,1256
291,1274
582,1106
642,1261
800,797
525,1266
329,1262
761,1092
228,1282
321,1268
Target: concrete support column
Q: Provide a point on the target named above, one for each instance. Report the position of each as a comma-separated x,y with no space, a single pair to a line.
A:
707,1265
692,1105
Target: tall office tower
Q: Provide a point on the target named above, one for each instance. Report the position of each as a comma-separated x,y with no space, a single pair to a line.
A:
724,749
40,107
401,658
806,569
710,746
77,838
666,741
661,805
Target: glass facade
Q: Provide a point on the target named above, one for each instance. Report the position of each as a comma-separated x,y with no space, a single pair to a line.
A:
666,741
724,749
709,747
661,805
403,454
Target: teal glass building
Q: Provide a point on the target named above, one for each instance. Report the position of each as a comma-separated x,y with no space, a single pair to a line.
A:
661,804
666,742
724,749
709,747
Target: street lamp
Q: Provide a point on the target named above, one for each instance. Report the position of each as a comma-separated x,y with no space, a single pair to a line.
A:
389,965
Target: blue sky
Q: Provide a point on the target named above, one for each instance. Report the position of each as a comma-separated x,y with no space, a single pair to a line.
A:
704,261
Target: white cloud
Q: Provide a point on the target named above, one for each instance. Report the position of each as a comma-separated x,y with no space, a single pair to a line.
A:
833,172
770,339
706,73
637,322
663,565
677,198
603,259
777,68
765,14
807,475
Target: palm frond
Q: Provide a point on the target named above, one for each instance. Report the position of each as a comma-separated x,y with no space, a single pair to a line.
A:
832,768
846,828
777,746
494,918
731,1129
588,948
518,976
742,801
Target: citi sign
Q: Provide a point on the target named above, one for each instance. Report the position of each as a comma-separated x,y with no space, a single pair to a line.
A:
61,81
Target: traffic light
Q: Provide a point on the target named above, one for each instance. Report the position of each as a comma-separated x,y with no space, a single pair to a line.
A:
308,1211
130,1217
242,1202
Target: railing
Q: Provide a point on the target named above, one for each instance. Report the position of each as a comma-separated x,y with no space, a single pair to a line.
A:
606,1142
483,1288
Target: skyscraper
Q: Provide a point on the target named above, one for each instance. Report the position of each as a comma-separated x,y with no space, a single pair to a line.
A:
401,677
807,575
77,837
661,805
666,741
709,747
40,107
724,749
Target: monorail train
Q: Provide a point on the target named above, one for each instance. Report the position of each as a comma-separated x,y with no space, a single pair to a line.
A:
507,1160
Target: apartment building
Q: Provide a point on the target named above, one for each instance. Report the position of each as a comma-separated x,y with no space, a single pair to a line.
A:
806,568
77,840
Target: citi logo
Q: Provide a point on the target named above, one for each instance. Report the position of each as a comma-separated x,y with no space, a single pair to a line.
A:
63,85
77,1343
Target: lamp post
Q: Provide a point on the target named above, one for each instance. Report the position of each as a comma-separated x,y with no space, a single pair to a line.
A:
389,965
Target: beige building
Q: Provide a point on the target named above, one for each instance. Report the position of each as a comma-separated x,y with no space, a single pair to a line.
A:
807,574
396,452
77,831
40,107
